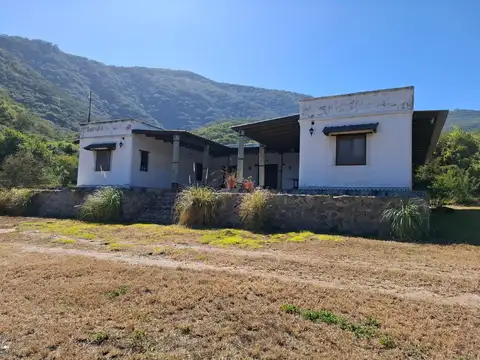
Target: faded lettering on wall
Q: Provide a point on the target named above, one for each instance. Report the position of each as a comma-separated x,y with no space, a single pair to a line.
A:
356,104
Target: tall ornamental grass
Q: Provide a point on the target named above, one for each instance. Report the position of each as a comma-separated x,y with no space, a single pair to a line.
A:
409,220
196,206
254,210
15,201
104,205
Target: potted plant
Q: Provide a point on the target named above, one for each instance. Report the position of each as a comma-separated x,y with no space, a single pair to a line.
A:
230,180
248,184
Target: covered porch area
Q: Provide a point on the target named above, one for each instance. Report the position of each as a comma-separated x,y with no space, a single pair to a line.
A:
178,158
275,159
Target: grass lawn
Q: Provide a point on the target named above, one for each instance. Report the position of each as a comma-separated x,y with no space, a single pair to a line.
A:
72,290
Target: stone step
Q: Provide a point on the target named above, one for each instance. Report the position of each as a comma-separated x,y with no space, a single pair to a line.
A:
160,210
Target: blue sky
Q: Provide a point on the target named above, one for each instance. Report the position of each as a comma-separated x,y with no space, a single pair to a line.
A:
316,47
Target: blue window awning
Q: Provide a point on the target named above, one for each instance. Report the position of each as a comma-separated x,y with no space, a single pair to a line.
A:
351,129
102,146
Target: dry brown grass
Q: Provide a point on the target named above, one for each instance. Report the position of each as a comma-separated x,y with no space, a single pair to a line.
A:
200,301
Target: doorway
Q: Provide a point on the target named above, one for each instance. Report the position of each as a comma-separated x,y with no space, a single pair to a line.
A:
271,176
198,172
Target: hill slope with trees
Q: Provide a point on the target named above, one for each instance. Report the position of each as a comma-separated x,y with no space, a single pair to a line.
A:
55,85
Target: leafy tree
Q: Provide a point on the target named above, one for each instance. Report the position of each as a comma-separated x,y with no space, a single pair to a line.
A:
454,172
23,169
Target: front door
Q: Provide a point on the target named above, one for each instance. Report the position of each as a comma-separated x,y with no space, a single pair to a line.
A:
271,176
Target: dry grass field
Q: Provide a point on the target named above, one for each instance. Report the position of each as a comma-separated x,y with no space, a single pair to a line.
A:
73,290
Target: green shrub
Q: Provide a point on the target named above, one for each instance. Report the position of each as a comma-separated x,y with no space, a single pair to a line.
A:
196,206
104,205
15,201
409,220
254,209
455,185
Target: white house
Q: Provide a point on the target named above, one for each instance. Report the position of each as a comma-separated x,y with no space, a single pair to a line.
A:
368,140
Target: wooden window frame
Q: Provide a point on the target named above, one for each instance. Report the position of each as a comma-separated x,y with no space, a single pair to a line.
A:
97,165
361,162
144,165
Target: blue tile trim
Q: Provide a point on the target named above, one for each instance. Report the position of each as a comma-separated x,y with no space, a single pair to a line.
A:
360,191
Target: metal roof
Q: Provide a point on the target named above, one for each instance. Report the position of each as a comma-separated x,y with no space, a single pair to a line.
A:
101,146
363,128
427,126
188,140
283,134
280,134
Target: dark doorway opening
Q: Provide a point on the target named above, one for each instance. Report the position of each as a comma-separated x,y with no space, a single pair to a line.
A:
271,176
198,172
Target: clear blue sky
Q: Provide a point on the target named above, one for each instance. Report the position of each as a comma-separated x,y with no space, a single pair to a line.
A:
316,47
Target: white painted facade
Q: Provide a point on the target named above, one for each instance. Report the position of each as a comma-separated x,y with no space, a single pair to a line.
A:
125,160
388,151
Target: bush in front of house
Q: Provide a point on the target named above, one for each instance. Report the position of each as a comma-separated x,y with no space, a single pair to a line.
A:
15,201
104,205
409,220
455,185
196,206
254,210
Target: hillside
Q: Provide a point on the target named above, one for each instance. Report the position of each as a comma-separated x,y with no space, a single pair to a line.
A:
15,116
466,119
55,85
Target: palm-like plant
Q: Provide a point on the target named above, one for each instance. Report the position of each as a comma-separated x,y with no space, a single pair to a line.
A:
408,220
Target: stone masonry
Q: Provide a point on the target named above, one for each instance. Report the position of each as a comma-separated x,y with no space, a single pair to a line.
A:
358,215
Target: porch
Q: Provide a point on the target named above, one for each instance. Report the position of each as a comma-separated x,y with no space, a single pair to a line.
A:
180,158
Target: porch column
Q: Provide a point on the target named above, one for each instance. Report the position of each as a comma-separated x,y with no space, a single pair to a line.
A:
241,144
261,166
280,173
206,157
229,163
175,160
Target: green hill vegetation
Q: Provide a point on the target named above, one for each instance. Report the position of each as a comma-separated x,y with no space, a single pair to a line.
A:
55,85
44,96
221,131
32,151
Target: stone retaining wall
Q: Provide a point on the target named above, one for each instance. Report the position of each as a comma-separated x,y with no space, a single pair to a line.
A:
66,203
359,215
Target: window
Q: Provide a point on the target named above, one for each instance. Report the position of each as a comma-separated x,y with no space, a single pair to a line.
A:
102,160
143,160
351,149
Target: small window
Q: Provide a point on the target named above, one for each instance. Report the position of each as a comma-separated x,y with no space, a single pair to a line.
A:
351,149
143,160
102,160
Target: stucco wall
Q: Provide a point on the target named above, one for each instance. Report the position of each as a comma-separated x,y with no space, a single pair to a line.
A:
120,162
159,172
389,150
120,173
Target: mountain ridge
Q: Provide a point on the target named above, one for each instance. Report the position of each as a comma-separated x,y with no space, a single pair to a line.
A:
55,85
